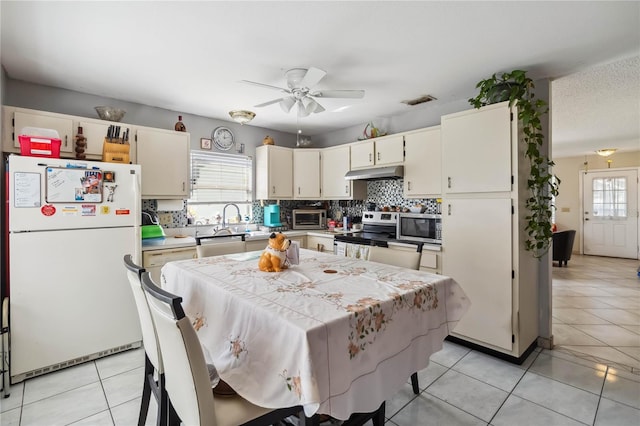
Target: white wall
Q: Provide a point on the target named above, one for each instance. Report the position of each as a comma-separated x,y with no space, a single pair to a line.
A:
568,202
46,98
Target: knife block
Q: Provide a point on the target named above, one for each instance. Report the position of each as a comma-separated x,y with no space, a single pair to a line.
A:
115,152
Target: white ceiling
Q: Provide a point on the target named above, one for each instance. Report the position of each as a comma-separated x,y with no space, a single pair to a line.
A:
190,56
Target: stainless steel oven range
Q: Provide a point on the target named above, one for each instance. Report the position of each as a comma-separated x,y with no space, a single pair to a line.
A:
378,229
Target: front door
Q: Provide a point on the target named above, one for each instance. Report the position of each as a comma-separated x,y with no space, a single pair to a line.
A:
610,213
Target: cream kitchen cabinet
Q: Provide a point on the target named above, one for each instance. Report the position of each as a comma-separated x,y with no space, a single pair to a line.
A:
274,172
384,151
306,174
320,243
164,157
261,244
96,131
483,232
423,163
154,260
336,162
476,150
16,119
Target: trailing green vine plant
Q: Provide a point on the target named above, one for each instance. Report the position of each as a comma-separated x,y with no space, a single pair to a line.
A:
517,88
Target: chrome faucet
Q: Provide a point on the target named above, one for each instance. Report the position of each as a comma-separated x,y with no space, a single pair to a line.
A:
224,214
198,222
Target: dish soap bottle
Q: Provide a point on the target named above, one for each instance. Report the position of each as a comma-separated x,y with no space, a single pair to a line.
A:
180,127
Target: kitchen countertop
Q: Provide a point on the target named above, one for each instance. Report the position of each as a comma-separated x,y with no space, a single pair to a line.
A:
173,242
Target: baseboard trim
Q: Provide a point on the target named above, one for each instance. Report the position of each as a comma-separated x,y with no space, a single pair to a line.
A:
510,358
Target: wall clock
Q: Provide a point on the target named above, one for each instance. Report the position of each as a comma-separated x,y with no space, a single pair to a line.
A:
222,138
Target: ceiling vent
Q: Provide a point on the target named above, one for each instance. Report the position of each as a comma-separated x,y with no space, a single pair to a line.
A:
420,100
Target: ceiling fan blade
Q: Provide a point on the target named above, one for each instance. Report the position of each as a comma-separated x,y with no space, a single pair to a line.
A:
266,86
319,108
269,103
356,94
312,77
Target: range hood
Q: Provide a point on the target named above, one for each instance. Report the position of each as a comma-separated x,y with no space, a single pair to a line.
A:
378,173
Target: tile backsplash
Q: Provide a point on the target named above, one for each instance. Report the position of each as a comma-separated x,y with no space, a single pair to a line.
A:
380,192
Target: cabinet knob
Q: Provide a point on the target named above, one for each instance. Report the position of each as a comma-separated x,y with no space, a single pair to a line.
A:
65,140
449,182
378,156
369,157
408,186
274,190
298,190
449,209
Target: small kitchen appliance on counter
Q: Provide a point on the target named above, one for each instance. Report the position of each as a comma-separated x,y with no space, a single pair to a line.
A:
272,216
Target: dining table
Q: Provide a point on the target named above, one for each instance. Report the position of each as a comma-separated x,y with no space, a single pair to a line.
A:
335,335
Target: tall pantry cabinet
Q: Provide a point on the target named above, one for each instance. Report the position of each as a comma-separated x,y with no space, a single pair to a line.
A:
484,192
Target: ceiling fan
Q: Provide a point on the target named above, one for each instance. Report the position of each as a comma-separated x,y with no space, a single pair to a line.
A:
299,82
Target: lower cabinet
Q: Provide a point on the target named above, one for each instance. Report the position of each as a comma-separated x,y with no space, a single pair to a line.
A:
431,261
154,260
318,243
496,275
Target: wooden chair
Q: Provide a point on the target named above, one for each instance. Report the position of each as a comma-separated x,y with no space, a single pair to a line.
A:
214,245
191,399
406,259
152,359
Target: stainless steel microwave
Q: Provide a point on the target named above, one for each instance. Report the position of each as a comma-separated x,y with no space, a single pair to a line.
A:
309,219
426,228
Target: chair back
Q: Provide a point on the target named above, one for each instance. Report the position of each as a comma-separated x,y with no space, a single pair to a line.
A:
405,259
186,374
149,338
208,246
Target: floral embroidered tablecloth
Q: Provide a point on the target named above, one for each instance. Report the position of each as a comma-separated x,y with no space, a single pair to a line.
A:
333,334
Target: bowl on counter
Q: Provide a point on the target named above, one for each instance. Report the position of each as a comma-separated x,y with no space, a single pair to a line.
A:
417,209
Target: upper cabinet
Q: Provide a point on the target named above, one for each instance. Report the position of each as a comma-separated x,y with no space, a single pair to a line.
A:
274,172
423,163
16,119
96,131
384,151
306,174
476,152
164,157
335,165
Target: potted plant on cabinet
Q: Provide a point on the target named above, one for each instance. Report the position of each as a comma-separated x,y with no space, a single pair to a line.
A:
517,88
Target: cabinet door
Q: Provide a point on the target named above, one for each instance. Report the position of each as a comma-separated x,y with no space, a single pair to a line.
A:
323,244
423,163
306,174
476,150
281,173
95,134
389,150
164,157
335,165
64,127
362,154
479,257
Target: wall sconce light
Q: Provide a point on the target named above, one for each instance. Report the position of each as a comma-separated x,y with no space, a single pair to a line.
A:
242,116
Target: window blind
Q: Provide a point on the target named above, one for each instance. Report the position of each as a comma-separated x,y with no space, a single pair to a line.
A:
220,178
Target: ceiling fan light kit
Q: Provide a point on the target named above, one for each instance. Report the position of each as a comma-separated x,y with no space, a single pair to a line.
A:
242,116
299,82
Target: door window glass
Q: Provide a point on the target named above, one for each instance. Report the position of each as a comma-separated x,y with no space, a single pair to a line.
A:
610,197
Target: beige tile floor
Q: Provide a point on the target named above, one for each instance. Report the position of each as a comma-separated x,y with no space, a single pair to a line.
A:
584,381
596,310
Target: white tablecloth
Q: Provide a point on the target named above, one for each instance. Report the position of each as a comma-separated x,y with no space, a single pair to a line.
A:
333,334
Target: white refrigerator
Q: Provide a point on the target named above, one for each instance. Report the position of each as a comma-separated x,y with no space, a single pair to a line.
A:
70,224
